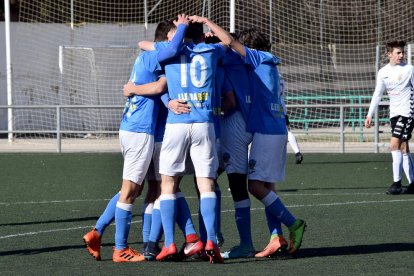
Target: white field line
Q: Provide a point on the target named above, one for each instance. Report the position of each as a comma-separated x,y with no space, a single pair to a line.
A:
188,197
224,211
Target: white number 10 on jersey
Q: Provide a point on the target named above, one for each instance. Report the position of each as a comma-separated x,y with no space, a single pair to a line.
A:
198,63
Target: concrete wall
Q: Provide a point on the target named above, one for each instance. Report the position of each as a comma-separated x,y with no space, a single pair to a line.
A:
35,59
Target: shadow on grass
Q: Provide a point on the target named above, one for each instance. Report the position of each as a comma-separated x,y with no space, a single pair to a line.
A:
344,162
355,250
92,219
338,251
333,188
304,253
34,251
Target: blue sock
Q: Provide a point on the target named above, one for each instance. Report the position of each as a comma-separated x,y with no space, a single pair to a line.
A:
208,202
275,227
123,218
184,220
146,221
218,209
156,224
168,209
242,216
202,227
107,216
278,209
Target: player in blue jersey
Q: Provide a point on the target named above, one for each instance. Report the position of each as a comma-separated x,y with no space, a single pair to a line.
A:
235,143
136,136
268,148
225,102
191,77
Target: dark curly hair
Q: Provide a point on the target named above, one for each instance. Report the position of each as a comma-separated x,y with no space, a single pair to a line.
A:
195,32
254,39
395,44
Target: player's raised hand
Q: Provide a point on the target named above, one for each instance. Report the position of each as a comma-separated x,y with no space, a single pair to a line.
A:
181,19
197,19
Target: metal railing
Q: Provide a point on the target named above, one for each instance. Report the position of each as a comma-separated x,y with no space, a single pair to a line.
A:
58,131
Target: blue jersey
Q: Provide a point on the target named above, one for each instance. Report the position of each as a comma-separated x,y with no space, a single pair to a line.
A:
267,115
237,74
191,77
140,113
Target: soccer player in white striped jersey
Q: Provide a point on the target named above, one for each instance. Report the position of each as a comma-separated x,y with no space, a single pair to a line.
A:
291,138
397,78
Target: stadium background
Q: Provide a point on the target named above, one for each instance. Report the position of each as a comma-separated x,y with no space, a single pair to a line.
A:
78,54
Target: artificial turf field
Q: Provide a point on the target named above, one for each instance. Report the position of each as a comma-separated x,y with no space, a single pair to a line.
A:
48,202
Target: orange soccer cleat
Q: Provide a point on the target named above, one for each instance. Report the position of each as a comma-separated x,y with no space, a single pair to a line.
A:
92,240
127,255
276,247
213,251
167,253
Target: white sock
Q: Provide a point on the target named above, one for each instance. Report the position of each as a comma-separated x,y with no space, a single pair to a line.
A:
397,161
292,142
408,166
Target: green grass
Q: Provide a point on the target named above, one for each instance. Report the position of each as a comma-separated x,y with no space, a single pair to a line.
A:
48,201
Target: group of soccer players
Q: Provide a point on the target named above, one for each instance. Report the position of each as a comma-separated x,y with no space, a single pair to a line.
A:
228,92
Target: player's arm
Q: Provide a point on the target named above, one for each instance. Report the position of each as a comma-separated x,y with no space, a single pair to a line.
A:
148,89
176,106
177,41
146,45
228,98
376,98
179,106
222,34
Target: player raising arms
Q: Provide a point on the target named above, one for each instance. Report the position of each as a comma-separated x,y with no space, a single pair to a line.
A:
136,136
235,143
191,77
267,123
397,78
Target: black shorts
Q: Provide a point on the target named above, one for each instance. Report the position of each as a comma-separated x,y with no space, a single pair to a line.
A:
401,127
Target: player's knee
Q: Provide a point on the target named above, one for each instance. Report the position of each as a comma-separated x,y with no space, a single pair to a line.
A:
238,186
257,190
252,189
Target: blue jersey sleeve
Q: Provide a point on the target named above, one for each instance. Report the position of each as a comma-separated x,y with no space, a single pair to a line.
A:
165,98
150,62
174,46
255,57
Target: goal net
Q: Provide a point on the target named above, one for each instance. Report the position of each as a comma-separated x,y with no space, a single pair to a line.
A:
330,52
